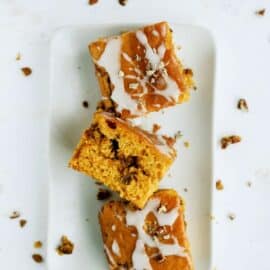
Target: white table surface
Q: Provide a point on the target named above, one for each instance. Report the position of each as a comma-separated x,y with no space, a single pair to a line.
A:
243,66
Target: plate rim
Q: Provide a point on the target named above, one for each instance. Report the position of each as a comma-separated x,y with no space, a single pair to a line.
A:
133,25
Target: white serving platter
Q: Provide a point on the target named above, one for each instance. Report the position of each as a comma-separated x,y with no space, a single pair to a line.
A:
73,206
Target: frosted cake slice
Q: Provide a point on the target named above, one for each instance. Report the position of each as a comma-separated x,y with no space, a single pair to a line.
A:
140,71
127,159
151,238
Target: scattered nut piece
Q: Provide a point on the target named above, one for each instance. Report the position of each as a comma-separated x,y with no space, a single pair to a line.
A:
159,258
26,71
226,141
178,135
66,247
85,104
242,105
92,2
22,222
188,72
156,128
185,189
37,258
260,12
219,185
103,194
169,140
231,216
162,209
15,214
38,244
249,183
121,74
123,2
186,144
178,47
18,57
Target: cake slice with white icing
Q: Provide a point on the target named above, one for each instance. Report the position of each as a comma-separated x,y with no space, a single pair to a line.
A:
140,71
151,238
125,158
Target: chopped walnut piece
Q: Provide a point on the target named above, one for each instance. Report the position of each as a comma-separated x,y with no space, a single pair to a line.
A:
219,185
66,247
260,12
123,2
231,216
85,104
249,183
226,141
38,244
242,105
92,2
121,74
103,194
37,258
26,71
22,222
156,128
15,214
162,209
178,135
169,140
188,72
18,57
185,189
159,258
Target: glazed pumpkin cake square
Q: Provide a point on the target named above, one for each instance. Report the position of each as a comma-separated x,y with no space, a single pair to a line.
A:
125,158
151,238
140,71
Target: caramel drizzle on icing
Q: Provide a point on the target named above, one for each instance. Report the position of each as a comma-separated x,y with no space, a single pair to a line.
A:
140,259
150,77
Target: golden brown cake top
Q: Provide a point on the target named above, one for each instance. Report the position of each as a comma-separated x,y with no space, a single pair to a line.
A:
153,238
144,72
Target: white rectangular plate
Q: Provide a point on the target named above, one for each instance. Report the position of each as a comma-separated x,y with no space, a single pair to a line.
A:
73,205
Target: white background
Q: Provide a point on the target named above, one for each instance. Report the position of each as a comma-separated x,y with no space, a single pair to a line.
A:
243,70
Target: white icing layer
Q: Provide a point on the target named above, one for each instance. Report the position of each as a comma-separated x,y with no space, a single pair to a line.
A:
110,60
139,257
153,58
110,256
115,248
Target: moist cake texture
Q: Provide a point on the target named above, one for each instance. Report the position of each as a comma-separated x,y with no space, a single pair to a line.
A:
140,71
127,159
151,238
